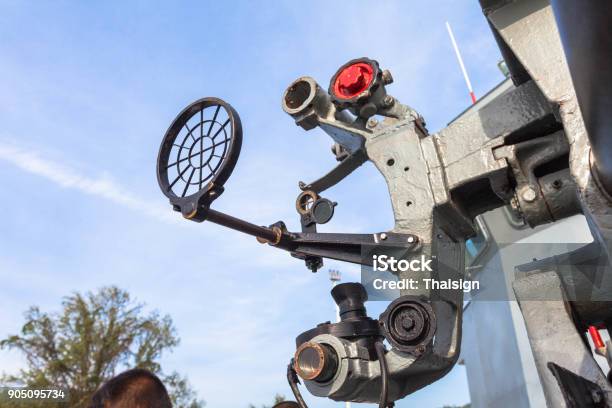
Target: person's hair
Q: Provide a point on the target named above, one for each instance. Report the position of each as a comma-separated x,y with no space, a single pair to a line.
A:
287,404
135,388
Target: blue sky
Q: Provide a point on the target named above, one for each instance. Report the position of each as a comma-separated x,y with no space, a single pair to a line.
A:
87,92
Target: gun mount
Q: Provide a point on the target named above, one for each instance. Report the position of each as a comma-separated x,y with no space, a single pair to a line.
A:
526,149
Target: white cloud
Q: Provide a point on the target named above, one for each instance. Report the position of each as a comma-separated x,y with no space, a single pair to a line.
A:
33,162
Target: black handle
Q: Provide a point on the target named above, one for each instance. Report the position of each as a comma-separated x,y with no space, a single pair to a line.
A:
263,233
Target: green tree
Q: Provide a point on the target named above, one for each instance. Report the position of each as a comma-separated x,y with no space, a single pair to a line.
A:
94,337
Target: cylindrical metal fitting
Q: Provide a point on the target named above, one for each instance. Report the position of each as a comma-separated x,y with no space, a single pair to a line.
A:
304,100
316,362
409,324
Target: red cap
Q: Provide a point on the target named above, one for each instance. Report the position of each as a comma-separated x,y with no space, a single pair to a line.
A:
597,341
353,80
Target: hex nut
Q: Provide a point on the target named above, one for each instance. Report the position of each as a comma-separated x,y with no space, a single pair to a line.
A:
529,194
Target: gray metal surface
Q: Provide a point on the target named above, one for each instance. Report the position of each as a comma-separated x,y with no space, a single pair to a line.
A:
554,337
585,32
528,28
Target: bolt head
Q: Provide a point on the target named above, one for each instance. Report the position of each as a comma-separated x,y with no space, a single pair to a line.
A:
529,194
408,323
388,101
514,203
411,239
313,263
383,236
372,123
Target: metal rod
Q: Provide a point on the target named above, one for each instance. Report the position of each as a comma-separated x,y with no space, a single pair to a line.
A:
237,224
460,59
293,382
384,375
584,27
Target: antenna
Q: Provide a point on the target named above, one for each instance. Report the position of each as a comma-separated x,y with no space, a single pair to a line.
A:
465,75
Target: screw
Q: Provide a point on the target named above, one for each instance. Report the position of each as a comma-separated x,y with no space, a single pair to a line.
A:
388,101
407,323
514,203
372,123
313,263
411,239
383,236
529,194
557,184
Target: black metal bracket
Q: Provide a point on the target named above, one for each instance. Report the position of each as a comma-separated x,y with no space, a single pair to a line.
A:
338,173
354,248
578,391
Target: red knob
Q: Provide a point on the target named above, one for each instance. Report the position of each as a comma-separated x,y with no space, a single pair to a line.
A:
353,80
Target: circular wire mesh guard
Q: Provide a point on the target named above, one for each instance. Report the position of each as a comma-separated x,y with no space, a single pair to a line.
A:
199,152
